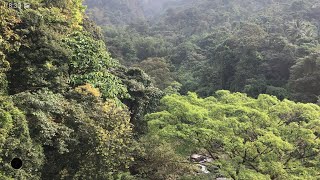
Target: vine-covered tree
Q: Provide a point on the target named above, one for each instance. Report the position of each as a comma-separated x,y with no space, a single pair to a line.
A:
82,136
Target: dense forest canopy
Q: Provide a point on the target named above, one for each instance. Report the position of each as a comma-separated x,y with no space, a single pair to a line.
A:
160,89
248,46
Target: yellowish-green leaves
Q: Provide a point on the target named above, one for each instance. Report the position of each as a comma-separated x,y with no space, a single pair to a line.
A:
260,138
91,63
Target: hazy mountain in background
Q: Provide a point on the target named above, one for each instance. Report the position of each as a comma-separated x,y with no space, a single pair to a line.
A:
118,12
154,7
122,12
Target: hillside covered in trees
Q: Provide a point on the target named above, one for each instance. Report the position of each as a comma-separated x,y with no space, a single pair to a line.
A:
248,46
160,89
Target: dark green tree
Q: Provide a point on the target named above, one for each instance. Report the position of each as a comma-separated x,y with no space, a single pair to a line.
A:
16,142
305,78
143,96
159,70
83,137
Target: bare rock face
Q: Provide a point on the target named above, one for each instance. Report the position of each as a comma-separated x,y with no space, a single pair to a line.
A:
197,158
200,158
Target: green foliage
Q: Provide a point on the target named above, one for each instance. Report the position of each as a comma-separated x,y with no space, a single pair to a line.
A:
41,61
82,136
15,141
48,55
174,88
90,63
131,46
4,66
246,46
144,97
8,37
159,70
72,10
71,111
249,138
150,47
94,31
158,160
281,93
114,11
57,75
306,78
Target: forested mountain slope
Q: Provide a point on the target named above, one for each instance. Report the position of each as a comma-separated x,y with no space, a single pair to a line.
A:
249,46
115,11
82,102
